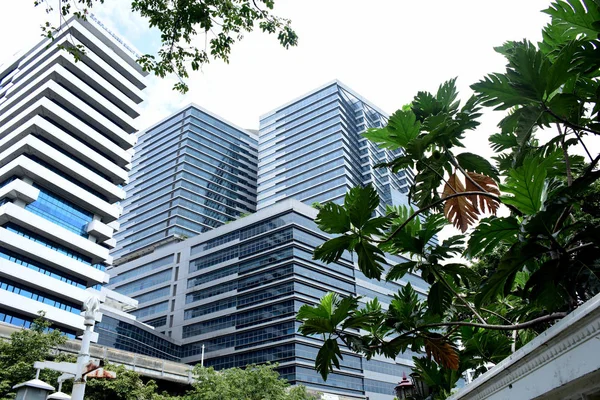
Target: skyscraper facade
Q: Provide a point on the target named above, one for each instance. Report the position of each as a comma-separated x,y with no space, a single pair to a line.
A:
66,130
237,289
192,172
311,149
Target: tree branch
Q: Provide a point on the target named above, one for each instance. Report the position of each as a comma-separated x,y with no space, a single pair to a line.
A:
565,155
464,301
568,123
524,325
440,175
457,166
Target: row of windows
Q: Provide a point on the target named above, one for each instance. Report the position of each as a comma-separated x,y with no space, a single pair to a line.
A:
125,336
14,287
39,267
216,148
328,134
310,353
61,212
277,238
146,282
208,326
386,367
269,128
267,334
308,375
211,276
210,292
265,314
156,322
225,128
142,269
304,173
209,308
274,354
279,117
151,310
51,244
25,322
153,295
380,387
213,344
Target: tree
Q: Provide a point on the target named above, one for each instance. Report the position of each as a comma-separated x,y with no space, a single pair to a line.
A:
179,23
128,385
255,382
25,347
531,267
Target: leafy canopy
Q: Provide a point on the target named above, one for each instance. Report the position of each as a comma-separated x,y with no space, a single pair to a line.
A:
517,272
181,22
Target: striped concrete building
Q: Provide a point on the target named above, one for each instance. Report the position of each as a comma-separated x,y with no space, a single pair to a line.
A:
66,137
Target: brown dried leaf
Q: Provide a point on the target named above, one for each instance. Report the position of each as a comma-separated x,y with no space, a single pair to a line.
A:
443,352
489,185
458,210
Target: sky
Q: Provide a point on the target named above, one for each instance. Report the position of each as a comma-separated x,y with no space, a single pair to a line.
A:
386,50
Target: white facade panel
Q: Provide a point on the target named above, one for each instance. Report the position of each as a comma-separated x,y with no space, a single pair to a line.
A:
32,222
66,129
51,258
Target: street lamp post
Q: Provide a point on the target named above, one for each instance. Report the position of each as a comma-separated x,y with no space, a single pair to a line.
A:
91,307
405,389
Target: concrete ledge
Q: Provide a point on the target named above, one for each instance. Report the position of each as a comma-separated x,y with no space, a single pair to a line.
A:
557,360
19,190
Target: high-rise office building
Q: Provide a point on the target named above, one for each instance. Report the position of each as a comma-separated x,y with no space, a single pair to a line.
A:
192,172
312,150
66,131
237,288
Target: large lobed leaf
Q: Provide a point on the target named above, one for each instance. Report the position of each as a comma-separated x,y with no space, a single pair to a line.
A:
443,352
458,210
333,218
360,203
402,128
576,16
475,184
526,185
489,233
475,163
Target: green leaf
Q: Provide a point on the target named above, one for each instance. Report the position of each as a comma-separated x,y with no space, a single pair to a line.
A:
513,261
333,218
439,298
502,141
328,356
375,226
489,233
475,163
578,16
332,250
528,71
370,259
496,90
360,203
399,270
526,186
402,128
566,106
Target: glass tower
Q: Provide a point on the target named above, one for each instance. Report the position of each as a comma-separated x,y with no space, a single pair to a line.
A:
192,172
312,150
66,129
237,289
